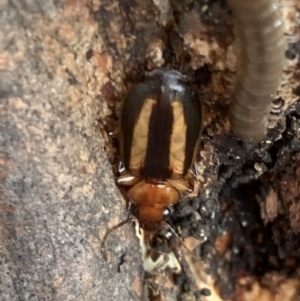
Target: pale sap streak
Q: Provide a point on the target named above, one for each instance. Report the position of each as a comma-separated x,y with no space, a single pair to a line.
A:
140,136
178,138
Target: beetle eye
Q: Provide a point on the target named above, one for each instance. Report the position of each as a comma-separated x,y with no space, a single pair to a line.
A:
166,212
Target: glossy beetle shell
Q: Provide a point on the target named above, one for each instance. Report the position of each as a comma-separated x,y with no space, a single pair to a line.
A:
160,131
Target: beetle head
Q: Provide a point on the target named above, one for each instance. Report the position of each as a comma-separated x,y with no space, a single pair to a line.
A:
150,202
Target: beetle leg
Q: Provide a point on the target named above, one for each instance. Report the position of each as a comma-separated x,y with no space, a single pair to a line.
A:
181,185
193,170
127,180
191,176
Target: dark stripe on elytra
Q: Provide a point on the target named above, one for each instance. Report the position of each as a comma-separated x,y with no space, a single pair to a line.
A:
157,163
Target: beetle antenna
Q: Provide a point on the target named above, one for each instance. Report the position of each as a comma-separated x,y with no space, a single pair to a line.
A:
108,232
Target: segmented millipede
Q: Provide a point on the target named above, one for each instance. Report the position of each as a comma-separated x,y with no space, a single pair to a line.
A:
259,29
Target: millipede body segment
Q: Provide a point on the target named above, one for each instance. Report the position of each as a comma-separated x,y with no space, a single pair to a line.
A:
259,29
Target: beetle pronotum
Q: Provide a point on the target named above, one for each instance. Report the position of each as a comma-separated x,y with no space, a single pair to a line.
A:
259,30
160,130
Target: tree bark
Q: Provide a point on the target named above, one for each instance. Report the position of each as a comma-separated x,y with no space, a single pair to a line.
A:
64,68
58,195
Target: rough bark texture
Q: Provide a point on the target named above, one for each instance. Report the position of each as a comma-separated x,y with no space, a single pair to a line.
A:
64,69
58,195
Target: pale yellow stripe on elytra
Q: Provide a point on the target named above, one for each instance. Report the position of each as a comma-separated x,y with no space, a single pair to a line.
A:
178,138
140,136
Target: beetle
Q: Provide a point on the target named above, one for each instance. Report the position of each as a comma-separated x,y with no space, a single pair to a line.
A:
160,129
